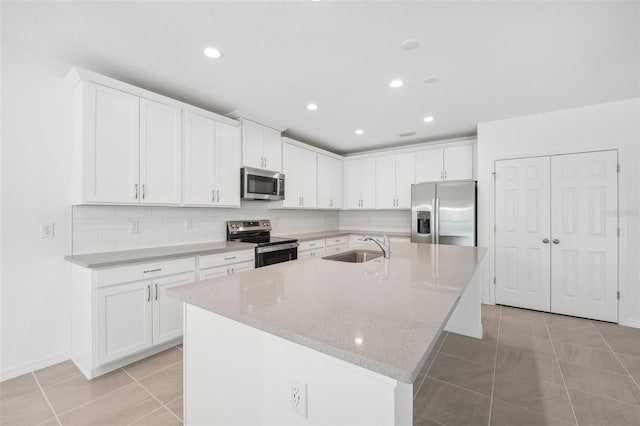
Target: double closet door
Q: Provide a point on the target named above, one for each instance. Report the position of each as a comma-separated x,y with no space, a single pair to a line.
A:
557,234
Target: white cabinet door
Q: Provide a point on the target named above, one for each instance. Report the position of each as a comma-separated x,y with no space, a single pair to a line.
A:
272,149
167,311
242,266
458,163
523,233
308,171
227,165
111,146
293,176
352,178
386,182
160,153
329,182
209,273
429,166
252,155
123,320
584,200
199,157
405,177
368,183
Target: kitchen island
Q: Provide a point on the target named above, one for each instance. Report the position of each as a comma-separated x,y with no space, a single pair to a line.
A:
318,341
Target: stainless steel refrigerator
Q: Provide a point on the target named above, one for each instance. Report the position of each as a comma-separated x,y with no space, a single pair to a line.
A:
444,213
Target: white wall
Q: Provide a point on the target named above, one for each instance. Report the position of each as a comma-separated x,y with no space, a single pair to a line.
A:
613,125
36,136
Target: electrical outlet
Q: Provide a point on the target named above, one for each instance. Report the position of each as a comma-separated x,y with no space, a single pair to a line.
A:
47,230
188,224
298,398
134,227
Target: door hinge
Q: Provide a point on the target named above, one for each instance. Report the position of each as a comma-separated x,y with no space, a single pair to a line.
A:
494,280
618,295
494,175
618,168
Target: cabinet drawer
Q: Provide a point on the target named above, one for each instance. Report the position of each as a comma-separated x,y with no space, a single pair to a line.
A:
337,248
222,271
311,253
142,271
221,259
344,239
311,245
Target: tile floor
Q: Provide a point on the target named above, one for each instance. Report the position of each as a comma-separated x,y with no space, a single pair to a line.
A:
532,369
529,369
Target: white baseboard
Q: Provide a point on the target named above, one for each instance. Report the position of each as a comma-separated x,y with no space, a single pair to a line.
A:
465,331
631,323
33,365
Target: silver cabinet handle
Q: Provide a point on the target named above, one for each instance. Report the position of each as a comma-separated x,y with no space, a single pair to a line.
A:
546,241
232,271
143,191
136,191
312,245
441,175
556,241
213,197
445,175
156,291
148,293
229,258
265,162
152,270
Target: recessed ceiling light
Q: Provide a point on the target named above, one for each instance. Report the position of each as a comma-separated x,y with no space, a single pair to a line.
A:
212,52
428,119
312,107
430,79
396,83
409,44
358,340
359,131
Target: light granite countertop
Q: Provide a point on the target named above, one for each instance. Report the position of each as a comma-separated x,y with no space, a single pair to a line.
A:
383,315
308,236
115,258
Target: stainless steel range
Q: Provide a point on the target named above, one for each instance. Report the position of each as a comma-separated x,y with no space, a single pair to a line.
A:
269,250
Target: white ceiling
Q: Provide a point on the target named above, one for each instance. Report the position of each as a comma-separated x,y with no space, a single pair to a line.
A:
493,60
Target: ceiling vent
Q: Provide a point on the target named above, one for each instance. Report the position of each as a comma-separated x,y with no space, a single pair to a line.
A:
404,134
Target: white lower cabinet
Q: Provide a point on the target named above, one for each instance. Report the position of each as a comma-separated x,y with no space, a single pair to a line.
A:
122,314
335,245
311,248
219,265
221,271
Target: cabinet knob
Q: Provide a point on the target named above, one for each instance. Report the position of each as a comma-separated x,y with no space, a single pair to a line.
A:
546,241
556,241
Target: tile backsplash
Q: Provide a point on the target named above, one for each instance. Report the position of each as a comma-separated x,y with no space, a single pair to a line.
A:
107,228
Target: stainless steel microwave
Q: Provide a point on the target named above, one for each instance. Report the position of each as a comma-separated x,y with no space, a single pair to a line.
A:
258,184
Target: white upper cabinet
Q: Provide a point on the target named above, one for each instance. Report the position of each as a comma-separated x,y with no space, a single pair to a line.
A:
132,149
111,146
329,182
227,165
394,177
454,163
458,163
299,166
261,146
160,153
212,162
360,183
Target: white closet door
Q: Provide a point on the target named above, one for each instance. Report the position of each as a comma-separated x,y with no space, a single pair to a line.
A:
522,218
584,197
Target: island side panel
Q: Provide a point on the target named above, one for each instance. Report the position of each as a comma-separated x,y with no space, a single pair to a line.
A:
466,318
238,375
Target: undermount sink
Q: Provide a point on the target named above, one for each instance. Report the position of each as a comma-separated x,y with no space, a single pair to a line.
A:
355,256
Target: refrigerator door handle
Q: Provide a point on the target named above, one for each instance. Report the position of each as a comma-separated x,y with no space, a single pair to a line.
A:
436,210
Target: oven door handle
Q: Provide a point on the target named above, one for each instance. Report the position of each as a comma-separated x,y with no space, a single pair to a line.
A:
277,247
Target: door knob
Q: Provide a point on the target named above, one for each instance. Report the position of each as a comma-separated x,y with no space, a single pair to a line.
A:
556,241
546,241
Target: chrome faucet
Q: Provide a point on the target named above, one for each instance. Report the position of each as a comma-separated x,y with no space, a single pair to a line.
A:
385,245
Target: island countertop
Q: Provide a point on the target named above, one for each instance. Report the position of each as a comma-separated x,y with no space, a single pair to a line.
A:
383,315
